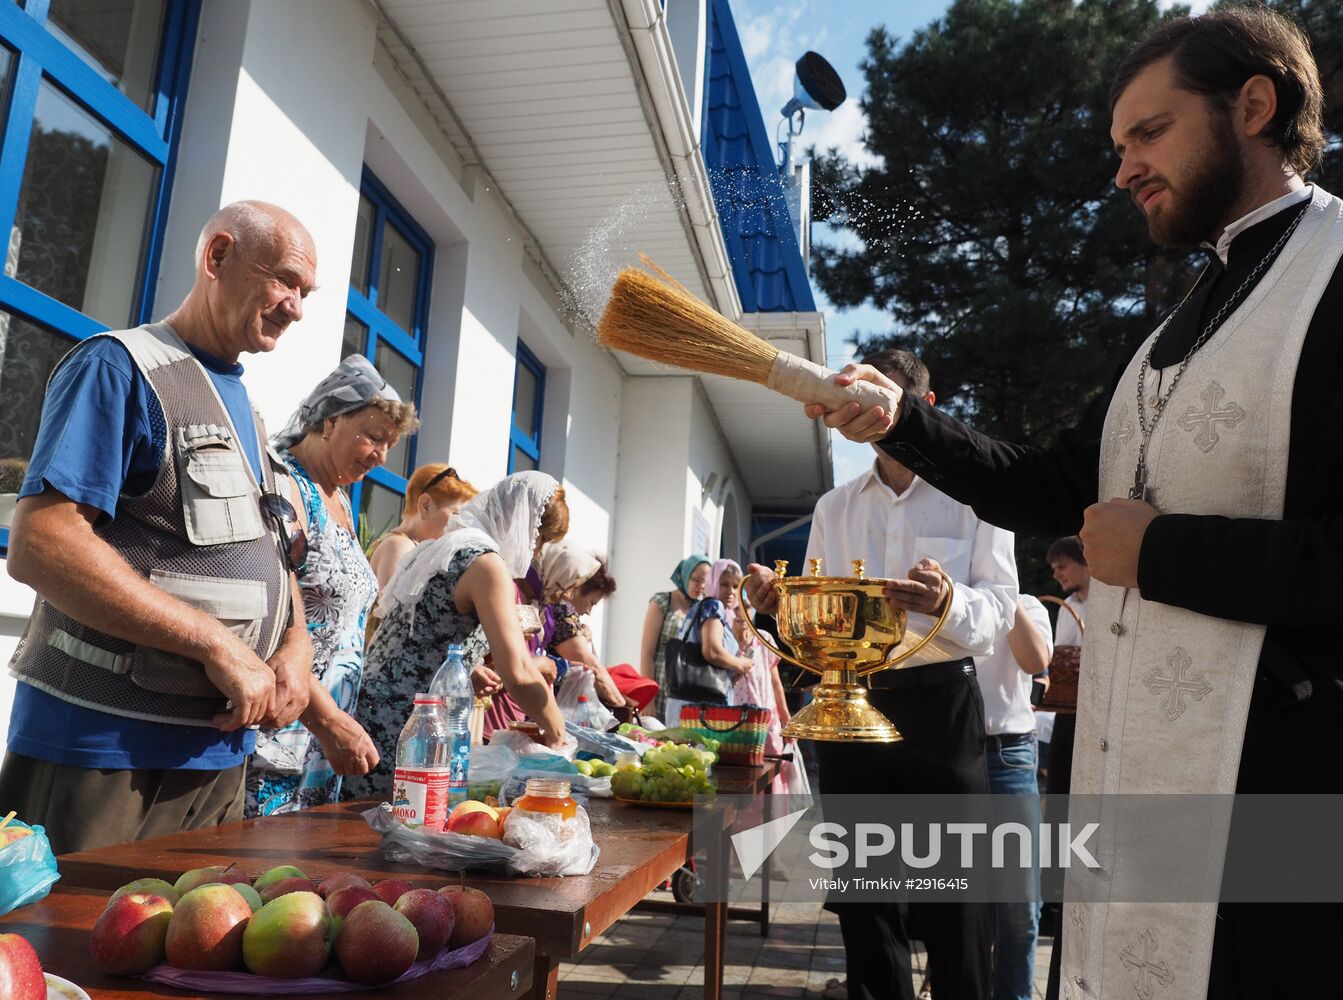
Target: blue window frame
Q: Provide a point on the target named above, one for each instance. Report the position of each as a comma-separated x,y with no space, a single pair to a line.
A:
386,320
91,103
529,397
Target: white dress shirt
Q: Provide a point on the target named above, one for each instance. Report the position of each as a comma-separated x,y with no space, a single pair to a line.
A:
866,519
1223,245
1005,686
1066,632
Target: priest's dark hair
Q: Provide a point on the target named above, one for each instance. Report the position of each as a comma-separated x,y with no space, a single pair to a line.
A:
894,362
1067,547
1216,53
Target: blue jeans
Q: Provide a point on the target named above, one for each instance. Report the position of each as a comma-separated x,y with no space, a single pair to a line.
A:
1012,772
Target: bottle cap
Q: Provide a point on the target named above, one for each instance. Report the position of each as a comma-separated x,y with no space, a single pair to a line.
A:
582,697
427,699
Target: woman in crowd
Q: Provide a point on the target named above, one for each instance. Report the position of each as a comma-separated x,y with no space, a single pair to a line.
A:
433,494
575,581
664,620
344,428
459,589
709,623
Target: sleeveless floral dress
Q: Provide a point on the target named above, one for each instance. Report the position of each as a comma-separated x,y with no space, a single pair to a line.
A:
289,770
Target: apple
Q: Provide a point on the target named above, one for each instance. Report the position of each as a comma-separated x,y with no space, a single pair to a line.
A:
153,886
342,901
129,937
10,834
206,929
253,897
289,937
475,824
474,914
433,917
376,944
504,813
293,883
274,875
391,889
20,972
341,880
198,877
470,806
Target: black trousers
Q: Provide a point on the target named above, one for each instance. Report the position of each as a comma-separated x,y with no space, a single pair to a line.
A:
942,752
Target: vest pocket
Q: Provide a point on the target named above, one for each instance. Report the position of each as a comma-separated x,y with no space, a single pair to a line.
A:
240,605
219,503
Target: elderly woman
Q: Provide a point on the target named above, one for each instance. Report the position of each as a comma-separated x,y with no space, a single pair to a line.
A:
575,581
709,624
343,429
664,619
433,494
459,589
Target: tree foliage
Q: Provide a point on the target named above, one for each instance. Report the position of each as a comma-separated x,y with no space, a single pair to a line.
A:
990,229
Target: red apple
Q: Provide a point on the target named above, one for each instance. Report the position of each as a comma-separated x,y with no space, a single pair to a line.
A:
433,917
474,913
152,886
476,823
289,937
274,875
20,972
342,901
285,886
206,930
376,944
340,880
10,834
391,889
197,877
129,937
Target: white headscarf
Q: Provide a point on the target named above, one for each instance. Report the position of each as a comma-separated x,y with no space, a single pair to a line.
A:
565,565
505,519
354,384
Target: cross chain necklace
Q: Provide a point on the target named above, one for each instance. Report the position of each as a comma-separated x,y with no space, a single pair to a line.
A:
1139,490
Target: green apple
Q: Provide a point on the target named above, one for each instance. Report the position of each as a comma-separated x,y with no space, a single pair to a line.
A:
583,767
274,875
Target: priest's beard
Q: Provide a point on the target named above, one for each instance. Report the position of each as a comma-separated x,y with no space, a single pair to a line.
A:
1199,202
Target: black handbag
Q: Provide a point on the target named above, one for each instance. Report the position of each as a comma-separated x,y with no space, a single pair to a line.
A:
690,677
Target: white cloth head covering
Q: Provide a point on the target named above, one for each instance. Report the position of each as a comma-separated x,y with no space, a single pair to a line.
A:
565,565
505,519
354,384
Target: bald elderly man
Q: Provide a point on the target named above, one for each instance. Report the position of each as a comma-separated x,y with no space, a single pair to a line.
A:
151,525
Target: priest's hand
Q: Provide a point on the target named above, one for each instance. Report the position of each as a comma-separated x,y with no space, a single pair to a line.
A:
760,589
924,593
851,420
1112,535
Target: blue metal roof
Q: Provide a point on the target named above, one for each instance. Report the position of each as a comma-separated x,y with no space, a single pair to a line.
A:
766,261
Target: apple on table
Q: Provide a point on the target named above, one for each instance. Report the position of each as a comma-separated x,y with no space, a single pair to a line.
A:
289,937
376,944
206,929
21,975
130,936
474,914
433,917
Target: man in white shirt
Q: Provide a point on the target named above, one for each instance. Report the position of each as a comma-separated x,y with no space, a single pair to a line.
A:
906,530
1004,678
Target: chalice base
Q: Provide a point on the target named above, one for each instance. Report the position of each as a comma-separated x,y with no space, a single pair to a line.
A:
841,713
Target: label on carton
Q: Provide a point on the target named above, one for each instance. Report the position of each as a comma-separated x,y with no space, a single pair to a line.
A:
420,797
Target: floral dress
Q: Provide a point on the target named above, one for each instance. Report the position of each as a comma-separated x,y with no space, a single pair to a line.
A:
672,622
289,770
406,652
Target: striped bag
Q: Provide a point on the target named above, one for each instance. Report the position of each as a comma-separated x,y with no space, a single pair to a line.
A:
740,729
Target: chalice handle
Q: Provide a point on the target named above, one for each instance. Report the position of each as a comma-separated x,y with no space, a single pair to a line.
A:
937,627
741,596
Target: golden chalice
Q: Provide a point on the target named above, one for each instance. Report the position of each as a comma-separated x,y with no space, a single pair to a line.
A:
844,629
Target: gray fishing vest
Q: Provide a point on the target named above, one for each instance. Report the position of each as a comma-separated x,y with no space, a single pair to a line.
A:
198,534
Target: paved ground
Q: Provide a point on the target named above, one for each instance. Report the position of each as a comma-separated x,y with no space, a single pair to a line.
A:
657,957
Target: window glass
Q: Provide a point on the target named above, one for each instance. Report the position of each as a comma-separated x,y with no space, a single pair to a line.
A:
6,59
398,279
522,462
379,508
400,373
356,336
28,353
363,232
524,400
119,39
83,212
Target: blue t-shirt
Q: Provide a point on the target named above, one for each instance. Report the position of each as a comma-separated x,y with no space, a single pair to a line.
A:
98,396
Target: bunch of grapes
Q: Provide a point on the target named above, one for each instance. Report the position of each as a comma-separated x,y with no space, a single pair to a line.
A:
668,774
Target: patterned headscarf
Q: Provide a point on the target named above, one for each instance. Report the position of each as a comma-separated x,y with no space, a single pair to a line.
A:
716,577
505,519
681,575
353,385
565,565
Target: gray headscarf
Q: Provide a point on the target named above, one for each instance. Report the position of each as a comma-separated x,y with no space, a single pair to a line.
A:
353,385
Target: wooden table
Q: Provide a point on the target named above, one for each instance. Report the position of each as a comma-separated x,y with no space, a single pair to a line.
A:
58,928
640,849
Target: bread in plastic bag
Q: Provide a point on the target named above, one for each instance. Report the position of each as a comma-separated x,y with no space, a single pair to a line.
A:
27,869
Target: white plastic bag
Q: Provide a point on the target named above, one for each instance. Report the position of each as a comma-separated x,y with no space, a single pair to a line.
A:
581,682
490,766
522,744
547,848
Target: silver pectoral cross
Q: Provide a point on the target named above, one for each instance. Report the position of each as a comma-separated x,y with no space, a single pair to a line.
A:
1139,490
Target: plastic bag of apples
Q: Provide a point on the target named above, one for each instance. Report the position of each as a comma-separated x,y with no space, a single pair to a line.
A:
27,865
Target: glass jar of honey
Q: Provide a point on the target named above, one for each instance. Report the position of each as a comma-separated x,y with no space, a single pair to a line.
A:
547,797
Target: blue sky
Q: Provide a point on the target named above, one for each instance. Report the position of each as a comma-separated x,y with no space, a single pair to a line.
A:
774,36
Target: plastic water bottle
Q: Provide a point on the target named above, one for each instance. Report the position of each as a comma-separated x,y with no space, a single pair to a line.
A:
420,782
583,714
452,684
